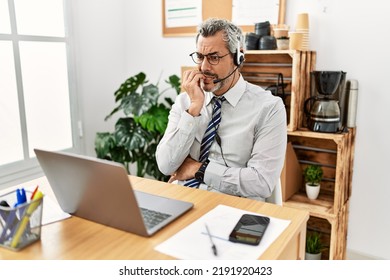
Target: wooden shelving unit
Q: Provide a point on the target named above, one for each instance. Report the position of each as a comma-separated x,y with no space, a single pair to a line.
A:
265,67
329,212
333,151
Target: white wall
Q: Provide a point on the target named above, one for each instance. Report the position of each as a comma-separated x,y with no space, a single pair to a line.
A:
148,50
100,57
119,38
349,35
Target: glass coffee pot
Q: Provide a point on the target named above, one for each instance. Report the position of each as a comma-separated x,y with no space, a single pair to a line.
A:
322,109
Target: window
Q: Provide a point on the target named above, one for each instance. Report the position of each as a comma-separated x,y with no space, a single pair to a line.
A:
35,107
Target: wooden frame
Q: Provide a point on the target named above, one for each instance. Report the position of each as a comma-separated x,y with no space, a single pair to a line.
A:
214,8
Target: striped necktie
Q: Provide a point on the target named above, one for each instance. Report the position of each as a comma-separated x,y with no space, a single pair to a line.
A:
208,137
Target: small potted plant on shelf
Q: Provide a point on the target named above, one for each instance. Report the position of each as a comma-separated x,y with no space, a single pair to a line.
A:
314,246
283,43
313,176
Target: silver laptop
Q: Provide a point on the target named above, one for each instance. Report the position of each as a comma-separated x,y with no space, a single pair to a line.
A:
100,191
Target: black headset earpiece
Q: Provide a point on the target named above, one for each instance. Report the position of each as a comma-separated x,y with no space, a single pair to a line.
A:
238,55
238,59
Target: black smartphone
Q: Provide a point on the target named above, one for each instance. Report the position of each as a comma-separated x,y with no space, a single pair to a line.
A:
249,229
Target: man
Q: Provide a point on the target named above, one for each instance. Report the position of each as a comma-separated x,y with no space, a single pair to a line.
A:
247,130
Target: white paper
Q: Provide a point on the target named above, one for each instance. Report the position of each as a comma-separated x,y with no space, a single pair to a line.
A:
193,243
249,12
51,211
180,13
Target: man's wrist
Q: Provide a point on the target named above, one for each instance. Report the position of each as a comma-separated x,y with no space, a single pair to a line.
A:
199,175
194,110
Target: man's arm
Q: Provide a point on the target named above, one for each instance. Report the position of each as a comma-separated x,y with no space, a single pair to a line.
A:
178,138
174,147
264,166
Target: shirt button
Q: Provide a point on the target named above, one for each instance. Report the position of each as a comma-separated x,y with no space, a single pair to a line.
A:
212,154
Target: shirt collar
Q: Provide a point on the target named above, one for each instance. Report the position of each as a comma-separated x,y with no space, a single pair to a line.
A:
233,95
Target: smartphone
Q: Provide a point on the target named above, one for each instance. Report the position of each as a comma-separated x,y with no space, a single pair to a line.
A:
249,229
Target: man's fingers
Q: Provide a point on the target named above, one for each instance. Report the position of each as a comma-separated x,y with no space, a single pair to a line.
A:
172,178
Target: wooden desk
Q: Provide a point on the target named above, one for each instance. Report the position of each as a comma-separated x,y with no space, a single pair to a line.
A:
76,238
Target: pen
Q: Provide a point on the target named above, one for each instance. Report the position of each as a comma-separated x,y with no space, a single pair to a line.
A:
24,221
20,197
213,247
34,192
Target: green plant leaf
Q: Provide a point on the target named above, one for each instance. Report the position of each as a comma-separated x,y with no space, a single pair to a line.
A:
155,120
122,155
103,144
137,104
313,174
131,135
130,86
314,244
136,136
174,81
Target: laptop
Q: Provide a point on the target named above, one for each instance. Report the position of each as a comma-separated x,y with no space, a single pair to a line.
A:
100,191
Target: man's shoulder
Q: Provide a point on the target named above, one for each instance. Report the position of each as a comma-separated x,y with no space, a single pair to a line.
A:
262,97
258,92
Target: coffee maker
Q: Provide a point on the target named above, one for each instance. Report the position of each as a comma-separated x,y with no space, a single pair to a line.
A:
324,110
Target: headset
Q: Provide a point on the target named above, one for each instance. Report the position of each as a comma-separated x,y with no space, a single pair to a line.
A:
238,55
238,59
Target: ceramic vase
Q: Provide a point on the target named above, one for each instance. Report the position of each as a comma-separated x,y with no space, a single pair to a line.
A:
283,44
309,256
312,192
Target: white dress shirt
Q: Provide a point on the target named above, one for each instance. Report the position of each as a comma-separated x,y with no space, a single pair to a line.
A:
253,132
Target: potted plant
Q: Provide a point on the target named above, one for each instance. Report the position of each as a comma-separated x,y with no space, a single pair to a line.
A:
136,135
314,246
313,176
282,43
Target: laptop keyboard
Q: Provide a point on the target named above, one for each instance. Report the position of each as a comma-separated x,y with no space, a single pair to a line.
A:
153,218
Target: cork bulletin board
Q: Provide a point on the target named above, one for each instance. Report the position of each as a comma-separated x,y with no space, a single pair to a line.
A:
214,8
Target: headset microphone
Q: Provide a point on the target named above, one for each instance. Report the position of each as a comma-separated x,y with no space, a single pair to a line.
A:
238,59
220,80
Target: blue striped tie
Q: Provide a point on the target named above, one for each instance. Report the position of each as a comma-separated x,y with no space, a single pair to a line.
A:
208,137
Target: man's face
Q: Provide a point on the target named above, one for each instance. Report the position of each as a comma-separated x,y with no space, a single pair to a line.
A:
216,46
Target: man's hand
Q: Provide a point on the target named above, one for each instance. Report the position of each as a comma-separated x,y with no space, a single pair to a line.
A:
186,171
191,84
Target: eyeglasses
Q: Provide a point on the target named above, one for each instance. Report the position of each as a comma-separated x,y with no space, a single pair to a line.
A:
212,58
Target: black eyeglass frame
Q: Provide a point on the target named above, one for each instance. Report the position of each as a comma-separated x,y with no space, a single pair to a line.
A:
194,59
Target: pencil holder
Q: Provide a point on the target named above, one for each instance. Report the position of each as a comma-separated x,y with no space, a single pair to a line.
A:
20,224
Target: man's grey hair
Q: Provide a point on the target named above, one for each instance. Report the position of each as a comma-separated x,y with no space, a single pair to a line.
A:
231,32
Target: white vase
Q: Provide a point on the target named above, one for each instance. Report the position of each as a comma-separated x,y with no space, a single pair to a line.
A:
312,191
283,44
309,256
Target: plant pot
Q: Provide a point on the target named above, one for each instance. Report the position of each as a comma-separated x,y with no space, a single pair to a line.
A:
309,256
312,191
283,44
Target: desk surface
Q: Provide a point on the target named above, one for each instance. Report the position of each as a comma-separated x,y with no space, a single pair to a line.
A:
76,238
